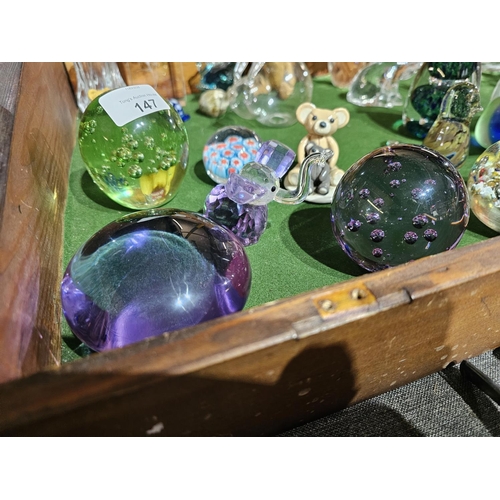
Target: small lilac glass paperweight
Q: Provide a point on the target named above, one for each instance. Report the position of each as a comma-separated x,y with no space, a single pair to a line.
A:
152,272
484,187
397,204
241,204
228,150
135,146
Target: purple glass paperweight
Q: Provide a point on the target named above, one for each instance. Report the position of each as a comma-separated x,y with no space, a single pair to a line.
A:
246,221
152,272
397,204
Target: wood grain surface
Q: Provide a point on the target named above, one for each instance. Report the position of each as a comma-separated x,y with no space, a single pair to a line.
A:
41,138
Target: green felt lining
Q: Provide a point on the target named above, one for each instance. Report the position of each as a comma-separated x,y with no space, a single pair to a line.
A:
297,252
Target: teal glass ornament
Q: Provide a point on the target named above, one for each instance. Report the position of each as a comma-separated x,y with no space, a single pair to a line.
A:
135,146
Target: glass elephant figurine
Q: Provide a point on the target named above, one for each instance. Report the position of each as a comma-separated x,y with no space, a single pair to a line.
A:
450,132
241,204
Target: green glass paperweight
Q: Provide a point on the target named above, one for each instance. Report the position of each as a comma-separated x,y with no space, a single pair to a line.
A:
135,146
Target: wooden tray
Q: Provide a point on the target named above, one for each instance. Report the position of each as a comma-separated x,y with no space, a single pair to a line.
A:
257,372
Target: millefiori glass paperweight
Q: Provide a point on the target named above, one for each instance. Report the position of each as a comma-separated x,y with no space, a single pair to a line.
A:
484,187
450,133
397,204
241,203
152,272
135,146
228,150
378,84
487,130
427,91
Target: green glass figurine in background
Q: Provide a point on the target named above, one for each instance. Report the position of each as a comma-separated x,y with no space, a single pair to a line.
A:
450,133
135,146
427,91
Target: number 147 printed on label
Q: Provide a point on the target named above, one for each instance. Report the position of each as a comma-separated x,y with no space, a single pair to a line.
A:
129,103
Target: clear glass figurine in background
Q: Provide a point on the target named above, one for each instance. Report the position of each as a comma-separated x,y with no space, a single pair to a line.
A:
450,133
343,73
241,204
270,92
94,78
378,84
427,91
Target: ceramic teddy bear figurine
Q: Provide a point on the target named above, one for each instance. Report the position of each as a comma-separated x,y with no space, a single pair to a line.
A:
320,124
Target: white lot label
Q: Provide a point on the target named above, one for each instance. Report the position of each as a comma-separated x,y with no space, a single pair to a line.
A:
129,103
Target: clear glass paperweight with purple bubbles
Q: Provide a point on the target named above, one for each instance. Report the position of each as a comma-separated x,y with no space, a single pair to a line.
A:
241,203
397,204
153,272
228,150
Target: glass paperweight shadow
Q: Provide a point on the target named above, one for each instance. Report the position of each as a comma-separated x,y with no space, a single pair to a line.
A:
398,204
271,92
228,150
427,91
450,133
152,272
378,84
484,187
135,146
487,130
241,203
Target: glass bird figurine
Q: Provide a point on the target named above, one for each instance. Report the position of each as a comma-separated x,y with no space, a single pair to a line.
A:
241,204
427,91
450,133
